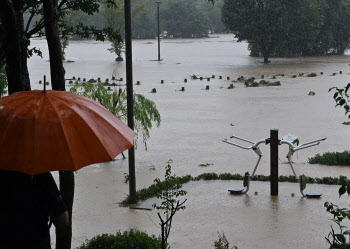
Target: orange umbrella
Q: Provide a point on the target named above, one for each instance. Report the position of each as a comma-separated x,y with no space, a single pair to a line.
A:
43,131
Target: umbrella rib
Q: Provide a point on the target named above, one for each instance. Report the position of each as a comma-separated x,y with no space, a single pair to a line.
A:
64,133
63,101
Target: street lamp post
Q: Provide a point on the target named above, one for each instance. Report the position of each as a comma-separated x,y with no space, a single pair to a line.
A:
158,31
130,98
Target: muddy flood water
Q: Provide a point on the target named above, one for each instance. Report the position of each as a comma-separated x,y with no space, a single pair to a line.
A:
195,121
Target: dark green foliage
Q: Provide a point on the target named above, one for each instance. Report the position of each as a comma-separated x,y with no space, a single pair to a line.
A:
338,240
145,111
181,18
213,15
154,189
335,32
3,82
160,186
331,158
132,239
289,27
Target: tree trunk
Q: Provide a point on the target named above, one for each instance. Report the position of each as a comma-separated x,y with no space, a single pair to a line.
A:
14,43
63,240
24,43
54,44
2,51
266,58
163,236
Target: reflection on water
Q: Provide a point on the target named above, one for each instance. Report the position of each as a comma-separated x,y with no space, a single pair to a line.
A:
193,124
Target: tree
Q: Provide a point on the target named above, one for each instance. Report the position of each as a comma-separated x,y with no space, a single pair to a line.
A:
170,204
17,34
213,15
15,42
334,35
272,26
182,19
145,111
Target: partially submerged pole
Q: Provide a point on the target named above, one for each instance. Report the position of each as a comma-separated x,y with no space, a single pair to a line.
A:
158,30
130,97
274,142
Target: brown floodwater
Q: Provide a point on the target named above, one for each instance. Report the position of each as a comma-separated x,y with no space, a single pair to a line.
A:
193,124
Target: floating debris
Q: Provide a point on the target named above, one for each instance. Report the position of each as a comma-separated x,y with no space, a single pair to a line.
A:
312,75
311,93
205,164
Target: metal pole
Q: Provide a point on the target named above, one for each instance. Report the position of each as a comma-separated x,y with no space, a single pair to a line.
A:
274,142
158,31
130,97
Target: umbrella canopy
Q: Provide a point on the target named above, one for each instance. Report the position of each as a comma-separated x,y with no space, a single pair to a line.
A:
43,131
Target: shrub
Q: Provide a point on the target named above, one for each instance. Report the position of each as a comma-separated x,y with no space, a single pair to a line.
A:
331,158
222,242
133,239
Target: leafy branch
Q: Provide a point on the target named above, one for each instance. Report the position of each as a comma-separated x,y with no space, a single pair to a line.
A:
341,97
145,110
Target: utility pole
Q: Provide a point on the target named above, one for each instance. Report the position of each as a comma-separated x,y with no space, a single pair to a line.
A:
130,95
158,3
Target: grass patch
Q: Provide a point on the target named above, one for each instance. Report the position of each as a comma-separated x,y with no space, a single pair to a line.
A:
151,191
331,158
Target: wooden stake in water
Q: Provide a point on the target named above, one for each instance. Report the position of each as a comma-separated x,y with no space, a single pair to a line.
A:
44,91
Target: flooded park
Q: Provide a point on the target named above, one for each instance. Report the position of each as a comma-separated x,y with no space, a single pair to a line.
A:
194,123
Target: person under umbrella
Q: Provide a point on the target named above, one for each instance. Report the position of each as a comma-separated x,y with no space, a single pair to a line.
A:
40,132
29,205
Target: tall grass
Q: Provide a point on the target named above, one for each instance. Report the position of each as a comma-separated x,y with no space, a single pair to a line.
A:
331,158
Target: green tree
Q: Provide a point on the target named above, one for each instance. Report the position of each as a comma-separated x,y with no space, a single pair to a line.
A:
16,34
113,17
213,15
145,111
15,39
144,25
182,19
169,203
334,35
273,26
